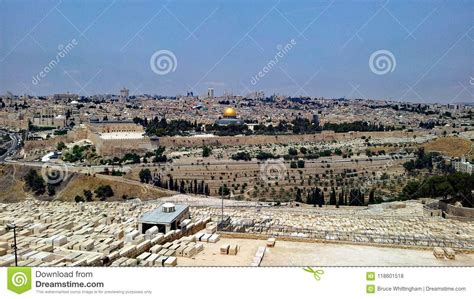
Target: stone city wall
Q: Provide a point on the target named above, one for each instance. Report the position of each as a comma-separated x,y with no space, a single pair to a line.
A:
261,139
10,121
115,127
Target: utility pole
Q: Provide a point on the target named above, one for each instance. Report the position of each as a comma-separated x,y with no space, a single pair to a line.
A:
13,226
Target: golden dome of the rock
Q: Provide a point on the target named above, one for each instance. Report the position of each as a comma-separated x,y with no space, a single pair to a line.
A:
230,112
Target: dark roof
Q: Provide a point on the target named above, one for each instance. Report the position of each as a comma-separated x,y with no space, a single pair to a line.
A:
229,121
99,122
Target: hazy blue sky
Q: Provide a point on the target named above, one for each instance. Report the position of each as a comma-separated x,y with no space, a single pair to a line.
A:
223,44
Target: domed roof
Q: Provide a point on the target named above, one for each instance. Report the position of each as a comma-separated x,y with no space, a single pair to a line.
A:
230,112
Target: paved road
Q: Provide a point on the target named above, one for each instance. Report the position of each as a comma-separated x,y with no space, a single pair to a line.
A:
14,143
322,160
96,170
127,168
70,167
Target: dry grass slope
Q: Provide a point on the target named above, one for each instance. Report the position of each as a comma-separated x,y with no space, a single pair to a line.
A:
451,146
121,187
13,186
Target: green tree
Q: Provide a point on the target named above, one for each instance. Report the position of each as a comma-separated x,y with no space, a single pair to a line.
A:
88,195
224,190
75,154
60,146
171,183
206,151
341,198
261,155
292,151
300,164
104,191
34,182
145,175
159,155
411,189
444,189
372,196
51,190
241,156
298,195
134,158
182,187
332,197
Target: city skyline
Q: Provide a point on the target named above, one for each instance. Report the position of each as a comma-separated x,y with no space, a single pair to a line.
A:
321,49
250,96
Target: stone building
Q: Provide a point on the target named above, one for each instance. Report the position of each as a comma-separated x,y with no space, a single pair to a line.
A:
167,217
229,118
48,117
114,138
463,166
13,120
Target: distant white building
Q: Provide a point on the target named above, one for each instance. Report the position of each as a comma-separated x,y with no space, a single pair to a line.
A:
463,166
257,95
65,97
124,94
210,93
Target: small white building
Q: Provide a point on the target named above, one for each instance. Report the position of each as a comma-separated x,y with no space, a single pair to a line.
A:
166,217
463,166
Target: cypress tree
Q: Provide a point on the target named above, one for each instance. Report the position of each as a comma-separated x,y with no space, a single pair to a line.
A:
182,187
298,195
341,198
371,197
332,197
